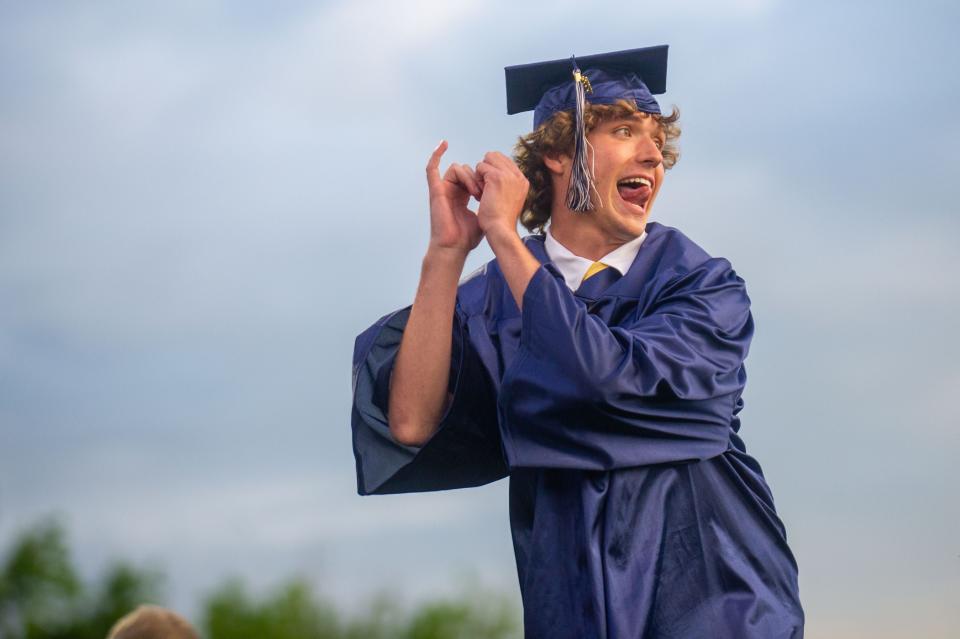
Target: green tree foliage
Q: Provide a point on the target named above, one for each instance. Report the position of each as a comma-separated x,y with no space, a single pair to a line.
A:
292,612
384,620
476,615
121,589
42,597
38,584
295,612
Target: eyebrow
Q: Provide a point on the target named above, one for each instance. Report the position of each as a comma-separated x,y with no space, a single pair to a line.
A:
633,121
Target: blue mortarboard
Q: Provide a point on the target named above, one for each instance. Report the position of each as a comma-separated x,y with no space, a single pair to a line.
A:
567,85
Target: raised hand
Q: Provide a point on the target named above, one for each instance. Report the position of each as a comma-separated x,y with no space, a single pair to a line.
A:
453,226
421,373
504,191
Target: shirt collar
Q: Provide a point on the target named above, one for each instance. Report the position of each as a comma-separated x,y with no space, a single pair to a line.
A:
573,267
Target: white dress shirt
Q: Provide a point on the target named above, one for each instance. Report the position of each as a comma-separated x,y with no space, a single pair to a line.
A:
573,267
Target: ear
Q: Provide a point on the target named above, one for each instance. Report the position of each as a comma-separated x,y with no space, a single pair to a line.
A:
557,164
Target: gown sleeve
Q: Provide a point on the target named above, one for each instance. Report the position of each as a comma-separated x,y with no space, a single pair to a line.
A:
465,451
662,388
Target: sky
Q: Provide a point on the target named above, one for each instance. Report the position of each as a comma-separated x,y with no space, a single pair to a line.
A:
203,203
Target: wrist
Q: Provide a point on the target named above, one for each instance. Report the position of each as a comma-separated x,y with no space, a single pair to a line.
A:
445,259
501,235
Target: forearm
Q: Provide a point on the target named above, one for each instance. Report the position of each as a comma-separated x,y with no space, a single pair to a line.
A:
516,262
660,388
421,373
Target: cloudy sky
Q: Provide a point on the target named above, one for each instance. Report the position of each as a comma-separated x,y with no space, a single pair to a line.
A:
202,203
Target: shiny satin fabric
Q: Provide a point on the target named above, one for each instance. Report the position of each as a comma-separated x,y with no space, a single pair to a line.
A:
608,88
634,507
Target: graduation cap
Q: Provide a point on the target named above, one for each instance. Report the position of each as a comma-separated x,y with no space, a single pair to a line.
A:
567,85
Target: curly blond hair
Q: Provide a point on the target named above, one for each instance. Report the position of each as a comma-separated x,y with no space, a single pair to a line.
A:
555,137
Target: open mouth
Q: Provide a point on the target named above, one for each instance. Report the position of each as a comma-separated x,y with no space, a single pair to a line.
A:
635,190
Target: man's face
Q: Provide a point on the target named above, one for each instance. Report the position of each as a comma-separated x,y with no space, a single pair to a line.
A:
628,171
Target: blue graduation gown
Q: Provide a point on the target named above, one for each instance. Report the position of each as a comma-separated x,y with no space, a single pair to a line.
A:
634,507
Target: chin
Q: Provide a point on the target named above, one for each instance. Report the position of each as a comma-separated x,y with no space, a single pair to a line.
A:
633,218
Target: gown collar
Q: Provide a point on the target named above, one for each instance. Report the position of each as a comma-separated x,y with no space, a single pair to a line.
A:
573,267
537,244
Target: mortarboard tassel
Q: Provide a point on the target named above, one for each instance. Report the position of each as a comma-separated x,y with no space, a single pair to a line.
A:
581,177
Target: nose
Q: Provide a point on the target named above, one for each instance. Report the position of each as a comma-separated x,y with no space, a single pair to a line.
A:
648,153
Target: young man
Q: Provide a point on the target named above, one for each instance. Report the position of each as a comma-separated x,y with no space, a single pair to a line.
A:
599,365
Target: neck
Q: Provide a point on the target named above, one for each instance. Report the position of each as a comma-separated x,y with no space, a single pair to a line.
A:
581,235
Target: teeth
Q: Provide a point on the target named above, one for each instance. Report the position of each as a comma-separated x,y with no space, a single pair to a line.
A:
636,181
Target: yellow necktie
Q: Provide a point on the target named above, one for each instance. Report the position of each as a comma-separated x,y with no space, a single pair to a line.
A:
595,268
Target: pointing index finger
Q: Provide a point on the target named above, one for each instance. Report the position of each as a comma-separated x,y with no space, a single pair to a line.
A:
433,164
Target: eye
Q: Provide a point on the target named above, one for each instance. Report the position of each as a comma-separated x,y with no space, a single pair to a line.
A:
659,142
623,131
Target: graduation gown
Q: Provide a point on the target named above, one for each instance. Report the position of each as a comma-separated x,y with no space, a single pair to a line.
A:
635,510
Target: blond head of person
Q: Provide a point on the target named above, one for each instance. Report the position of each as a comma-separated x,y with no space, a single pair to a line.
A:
152,622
